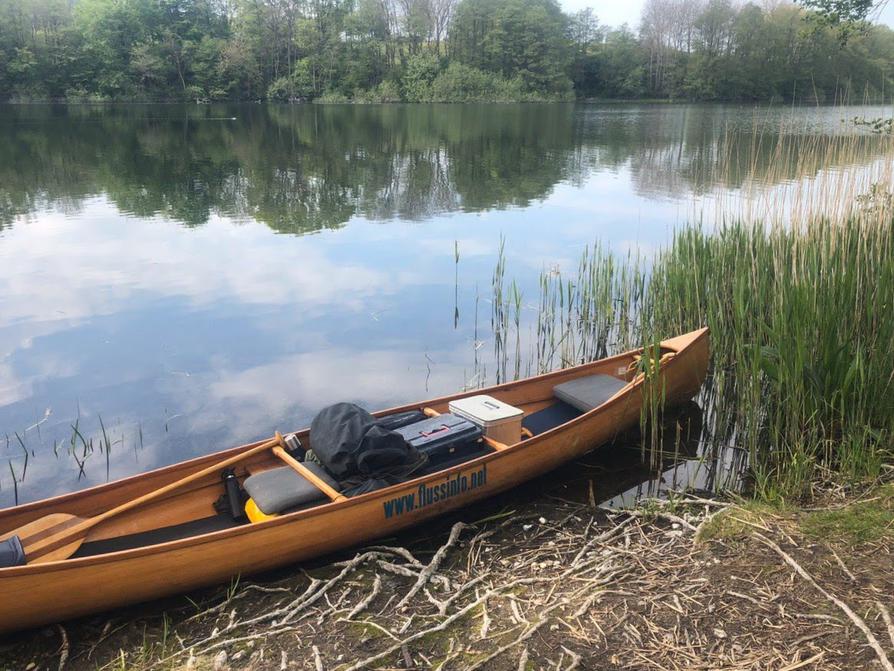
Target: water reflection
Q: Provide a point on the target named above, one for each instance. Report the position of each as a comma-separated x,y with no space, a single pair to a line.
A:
147,300
297,169
306,168
616,477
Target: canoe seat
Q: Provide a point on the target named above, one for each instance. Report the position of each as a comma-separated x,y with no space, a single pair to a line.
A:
586,393
550,417
279,489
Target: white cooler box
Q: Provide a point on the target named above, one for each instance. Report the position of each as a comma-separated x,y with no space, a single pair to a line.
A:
501,422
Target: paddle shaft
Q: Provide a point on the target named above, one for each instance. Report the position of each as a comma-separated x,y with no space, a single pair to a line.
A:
68,535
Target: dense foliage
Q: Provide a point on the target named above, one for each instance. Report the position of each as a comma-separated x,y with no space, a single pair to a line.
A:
427,50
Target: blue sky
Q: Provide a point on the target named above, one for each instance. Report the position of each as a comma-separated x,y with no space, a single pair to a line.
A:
614,12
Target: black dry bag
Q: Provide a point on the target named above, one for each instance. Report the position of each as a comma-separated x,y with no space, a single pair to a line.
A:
349,442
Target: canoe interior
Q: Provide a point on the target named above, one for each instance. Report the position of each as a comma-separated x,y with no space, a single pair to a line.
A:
190,510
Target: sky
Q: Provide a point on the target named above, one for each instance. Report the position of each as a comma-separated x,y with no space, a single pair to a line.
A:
616,12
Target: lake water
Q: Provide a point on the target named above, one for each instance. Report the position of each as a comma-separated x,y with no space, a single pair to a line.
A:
175,280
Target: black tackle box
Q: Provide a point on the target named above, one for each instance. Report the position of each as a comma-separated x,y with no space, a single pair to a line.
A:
440,436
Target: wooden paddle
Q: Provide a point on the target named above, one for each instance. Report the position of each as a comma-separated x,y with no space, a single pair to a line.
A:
58,535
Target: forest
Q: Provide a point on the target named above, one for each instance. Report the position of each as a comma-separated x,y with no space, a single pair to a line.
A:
431,51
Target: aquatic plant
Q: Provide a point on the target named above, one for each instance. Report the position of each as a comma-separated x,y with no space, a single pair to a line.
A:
802,331
797,288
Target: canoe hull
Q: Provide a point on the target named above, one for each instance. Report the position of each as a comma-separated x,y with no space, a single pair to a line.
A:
40,594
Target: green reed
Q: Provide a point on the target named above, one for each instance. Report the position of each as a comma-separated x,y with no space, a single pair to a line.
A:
802,332
802,337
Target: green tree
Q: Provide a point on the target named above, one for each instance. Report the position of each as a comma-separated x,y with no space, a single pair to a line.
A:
514,38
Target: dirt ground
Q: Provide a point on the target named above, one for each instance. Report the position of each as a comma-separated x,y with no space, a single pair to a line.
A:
689,583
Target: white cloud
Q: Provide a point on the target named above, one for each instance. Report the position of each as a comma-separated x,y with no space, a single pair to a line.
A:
255,397
62,272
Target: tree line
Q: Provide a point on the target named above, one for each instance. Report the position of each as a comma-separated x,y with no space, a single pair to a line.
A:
430,51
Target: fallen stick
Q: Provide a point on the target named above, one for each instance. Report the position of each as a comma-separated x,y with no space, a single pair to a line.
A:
856,619
369,661
442,609
601,538
886,616
660,514
523,660
360,607
810,660
426,573
63,649
575,659
843,566
530,631
318,661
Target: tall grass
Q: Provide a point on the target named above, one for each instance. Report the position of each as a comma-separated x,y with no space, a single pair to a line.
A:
802,336
801,312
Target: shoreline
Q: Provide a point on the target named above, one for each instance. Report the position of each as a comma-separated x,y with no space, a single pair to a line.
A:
682,582
587,101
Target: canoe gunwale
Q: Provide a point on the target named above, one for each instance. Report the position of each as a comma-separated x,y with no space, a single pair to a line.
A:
330,507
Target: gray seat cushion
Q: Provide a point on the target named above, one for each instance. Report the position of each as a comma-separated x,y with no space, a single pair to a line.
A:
586,393
279,489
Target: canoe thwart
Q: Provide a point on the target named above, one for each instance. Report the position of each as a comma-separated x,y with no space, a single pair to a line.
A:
429,412
304,471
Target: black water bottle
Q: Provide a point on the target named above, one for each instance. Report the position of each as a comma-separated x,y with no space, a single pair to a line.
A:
234,494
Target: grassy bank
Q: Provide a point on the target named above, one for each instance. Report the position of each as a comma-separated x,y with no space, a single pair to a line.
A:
801,334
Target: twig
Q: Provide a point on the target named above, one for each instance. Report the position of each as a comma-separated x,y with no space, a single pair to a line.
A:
63,649
485,624
530,631
400,552
372,624
656,513
843,566
575,659
442,608
886,616
318,661
369,661
426,573
810,660
360,607
856,619
601,538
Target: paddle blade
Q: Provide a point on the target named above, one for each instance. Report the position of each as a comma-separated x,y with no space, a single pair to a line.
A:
62,552
50,538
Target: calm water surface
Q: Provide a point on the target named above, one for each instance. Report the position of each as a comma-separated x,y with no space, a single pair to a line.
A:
175,280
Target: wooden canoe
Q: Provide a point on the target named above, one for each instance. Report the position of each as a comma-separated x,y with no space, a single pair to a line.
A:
42,593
